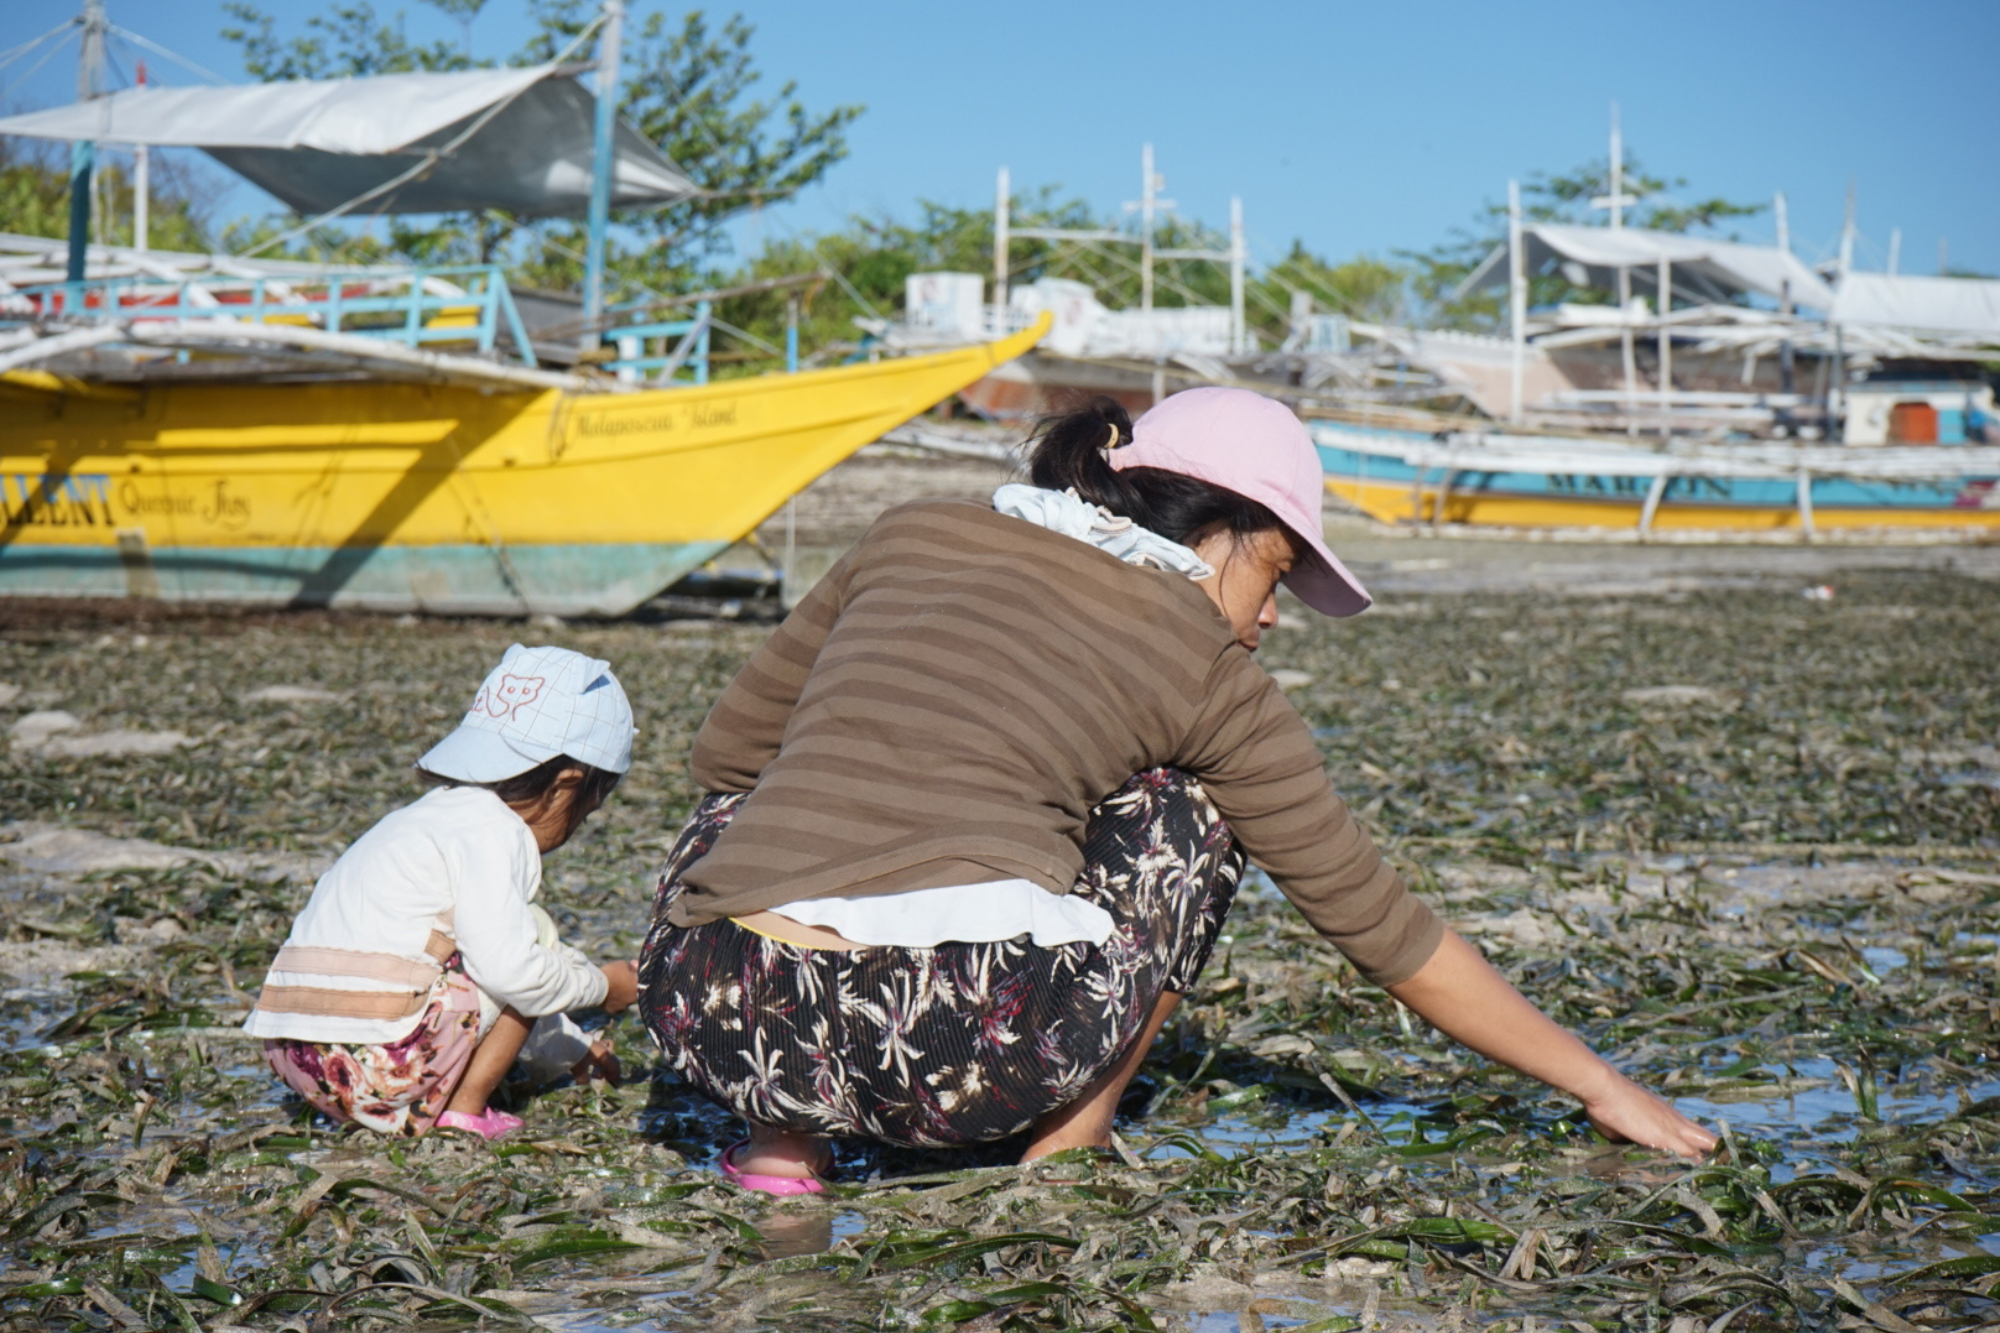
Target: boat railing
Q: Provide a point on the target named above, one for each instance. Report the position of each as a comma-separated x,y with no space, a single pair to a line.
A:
655,351
1459,459
467,306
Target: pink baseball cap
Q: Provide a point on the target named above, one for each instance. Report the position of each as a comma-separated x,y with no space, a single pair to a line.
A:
1253,445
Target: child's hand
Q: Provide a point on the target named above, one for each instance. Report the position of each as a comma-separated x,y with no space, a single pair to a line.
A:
602,1062
622,978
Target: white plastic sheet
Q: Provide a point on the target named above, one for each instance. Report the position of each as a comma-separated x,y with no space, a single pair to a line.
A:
317,144
1707,269
1930,305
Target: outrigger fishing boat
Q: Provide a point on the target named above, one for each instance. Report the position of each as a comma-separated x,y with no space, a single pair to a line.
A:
235,429
1486,478
1898,435
1753,393
335,471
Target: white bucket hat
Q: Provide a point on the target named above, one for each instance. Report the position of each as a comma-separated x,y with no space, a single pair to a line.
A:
539,703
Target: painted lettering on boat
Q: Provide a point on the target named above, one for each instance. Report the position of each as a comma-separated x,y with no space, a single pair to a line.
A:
1981,494
662,421
605,426
1681,488
213,506
56,499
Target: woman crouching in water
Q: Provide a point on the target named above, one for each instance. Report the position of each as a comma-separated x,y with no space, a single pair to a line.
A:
980,805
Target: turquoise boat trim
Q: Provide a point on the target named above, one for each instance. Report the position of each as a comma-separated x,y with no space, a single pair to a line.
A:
565,579
1738,492
1941,496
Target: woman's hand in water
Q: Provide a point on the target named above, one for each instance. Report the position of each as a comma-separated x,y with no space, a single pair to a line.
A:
1463,997
1627,1113
622,985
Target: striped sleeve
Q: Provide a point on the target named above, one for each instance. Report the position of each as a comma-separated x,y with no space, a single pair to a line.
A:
744,729
1260,766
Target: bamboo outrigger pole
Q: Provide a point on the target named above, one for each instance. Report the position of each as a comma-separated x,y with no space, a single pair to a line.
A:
603,168
1239,336
142,188
83,157
1003,207
1615,201
1517,301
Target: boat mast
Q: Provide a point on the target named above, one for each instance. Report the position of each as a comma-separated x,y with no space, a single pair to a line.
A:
603,168
1665,348
1517,298
83,157
1003,207
142,187
1847,234
1785,357
1838,383
1149,187
1239,335
1615,202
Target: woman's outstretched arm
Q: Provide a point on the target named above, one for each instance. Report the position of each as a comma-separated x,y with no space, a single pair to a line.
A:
1460,994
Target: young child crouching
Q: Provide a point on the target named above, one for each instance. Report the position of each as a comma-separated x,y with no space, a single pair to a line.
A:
419,966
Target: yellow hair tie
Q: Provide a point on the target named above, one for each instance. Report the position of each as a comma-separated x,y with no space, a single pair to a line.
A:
1115,441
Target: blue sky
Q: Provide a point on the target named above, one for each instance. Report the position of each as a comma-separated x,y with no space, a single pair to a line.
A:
1356,128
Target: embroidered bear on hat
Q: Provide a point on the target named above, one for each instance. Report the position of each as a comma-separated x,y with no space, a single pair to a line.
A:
509,695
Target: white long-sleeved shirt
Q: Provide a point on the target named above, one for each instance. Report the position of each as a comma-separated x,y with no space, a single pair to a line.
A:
456,856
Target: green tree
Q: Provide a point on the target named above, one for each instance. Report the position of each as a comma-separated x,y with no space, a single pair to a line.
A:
876,254
1363,288
465,11
348,41
34,197
691,88
1561,198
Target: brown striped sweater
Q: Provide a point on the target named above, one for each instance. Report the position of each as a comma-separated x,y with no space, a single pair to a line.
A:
949,702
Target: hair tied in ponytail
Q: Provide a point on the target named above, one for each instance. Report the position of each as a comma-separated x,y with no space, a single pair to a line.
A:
1072,451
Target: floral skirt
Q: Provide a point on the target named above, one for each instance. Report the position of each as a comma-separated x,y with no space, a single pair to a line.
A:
400,1088
961,1043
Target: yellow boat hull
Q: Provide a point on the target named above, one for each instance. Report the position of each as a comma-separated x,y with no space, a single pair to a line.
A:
1585,484
423,497
1397,503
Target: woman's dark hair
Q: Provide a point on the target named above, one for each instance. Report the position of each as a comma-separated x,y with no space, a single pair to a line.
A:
537,782
1070,451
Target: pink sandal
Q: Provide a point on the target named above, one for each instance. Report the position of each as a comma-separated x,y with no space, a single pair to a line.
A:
489,1124
779,1185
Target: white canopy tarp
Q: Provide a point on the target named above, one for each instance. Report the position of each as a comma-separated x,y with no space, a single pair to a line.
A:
316,144
1702,269
1932,305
